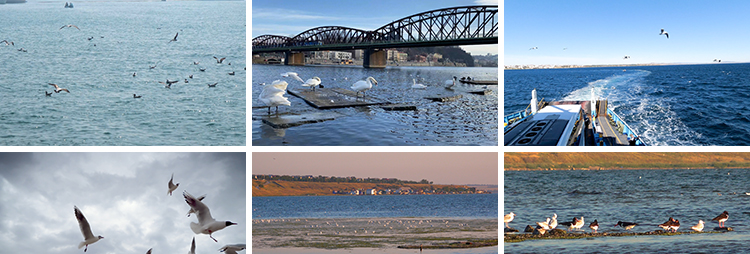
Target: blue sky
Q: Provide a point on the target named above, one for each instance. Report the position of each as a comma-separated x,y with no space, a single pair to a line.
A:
603,32
293,17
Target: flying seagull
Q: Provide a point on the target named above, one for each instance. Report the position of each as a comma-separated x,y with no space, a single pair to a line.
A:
213,85
69,26
149,251
168,84
88,237
206,224
534,48
626,57
193,210
219,60
192,247
58,89
8,42
664,33
232,249
174,39
293,75
171,186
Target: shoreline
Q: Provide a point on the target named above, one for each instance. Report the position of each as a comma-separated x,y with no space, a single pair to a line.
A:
561,234
611,168
380,233
577,66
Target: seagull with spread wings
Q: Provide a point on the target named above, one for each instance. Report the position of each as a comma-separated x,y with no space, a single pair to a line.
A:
88,237
206,224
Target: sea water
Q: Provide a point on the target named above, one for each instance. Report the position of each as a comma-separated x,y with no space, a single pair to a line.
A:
125,38
647,197
681,105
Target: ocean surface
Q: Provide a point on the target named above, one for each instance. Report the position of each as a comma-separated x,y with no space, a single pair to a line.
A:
682,105
125,38
471,120
647,197
384,206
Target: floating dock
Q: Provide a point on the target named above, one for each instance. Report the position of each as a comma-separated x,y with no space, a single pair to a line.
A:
326,98
479,82
286,121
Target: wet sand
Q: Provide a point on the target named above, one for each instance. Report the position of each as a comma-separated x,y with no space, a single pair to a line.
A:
369,233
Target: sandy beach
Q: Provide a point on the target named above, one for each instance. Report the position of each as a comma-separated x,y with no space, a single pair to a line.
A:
380,233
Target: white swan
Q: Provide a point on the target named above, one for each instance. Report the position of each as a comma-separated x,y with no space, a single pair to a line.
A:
417,86
272,95
313,82
451,82
363,86
293,75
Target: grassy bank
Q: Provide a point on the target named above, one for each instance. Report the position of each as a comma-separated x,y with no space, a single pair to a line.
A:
595,161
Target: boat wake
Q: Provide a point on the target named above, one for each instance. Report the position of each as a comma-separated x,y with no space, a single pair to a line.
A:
644,107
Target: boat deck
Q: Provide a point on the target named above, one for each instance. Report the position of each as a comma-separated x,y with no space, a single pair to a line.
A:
609,134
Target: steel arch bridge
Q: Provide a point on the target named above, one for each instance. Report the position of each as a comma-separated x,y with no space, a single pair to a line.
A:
465,25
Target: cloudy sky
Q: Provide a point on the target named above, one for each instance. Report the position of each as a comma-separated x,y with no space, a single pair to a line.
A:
440,168
291,17
124,198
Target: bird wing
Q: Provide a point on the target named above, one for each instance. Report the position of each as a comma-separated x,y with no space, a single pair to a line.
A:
662,31
204,215
62,27
83,224
149,251
667,34
192,246
76,27
56,87
175,36
171,185
222,59
63,89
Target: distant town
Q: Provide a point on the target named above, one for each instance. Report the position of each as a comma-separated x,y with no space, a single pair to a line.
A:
430,56
374,186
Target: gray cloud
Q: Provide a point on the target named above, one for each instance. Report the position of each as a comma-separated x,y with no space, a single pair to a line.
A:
123,196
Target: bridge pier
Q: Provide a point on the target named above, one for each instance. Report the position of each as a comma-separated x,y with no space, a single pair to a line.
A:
375,58
294,58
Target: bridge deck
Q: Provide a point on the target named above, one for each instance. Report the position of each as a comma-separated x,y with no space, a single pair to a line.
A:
326,98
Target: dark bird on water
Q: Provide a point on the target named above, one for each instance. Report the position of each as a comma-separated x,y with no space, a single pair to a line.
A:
664,33
133,74
186,80
213,85
202,69
22,50
58,89
219,60
47,94
136,96
231,73
69,26
175,38
91,38
191,76
196,63
151,67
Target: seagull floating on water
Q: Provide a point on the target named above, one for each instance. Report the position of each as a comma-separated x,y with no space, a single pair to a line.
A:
202,69
664,33
83,224
69,26
136,96
206,224
171,185
58,89
313,82
272,95
231,73
232,249
363,86
293,75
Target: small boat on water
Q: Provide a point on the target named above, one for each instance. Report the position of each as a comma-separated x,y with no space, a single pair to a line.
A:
568,123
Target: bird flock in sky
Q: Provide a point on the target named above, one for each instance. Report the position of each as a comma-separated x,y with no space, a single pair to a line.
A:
206,223
670,225
167,84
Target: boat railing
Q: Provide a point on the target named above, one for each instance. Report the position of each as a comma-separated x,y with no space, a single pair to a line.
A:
520,115
625,127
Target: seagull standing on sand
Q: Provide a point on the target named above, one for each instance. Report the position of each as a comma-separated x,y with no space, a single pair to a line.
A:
313,82
508,218
88,237
206,224
363,86
171,185
293,75
273,95
664,33
232,249
58,89
192,247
